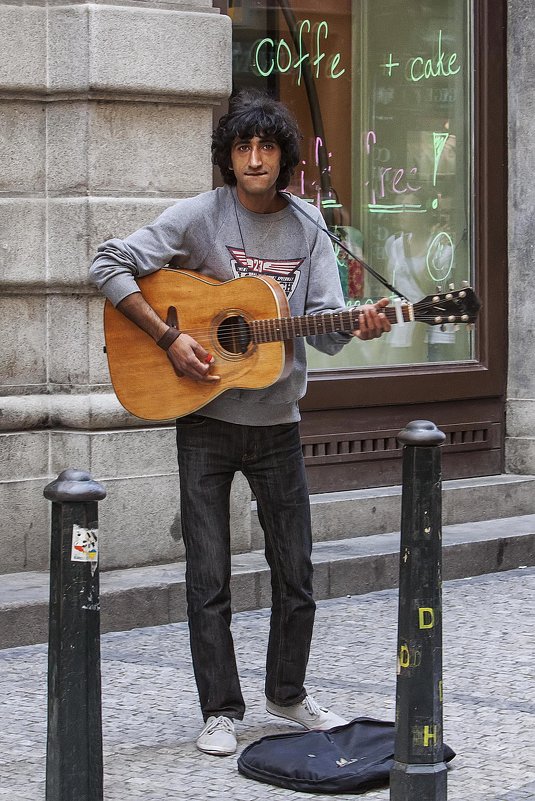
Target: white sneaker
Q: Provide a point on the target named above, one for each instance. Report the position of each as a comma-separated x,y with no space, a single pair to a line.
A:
308,714
217,737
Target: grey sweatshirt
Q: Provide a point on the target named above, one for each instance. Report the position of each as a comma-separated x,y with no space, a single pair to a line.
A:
217,236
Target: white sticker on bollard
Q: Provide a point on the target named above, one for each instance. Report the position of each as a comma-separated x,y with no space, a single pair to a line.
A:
84,544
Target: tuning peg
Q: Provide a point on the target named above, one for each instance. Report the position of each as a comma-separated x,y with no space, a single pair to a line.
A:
439,288
465,283
451,286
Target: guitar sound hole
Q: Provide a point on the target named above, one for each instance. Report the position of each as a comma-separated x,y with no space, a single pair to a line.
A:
234,335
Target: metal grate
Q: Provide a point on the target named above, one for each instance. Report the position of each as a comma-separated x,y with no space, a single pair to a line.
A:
383,444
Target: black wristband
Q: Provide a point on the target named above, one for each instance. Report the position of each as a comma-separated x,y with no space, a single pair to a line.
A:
168,338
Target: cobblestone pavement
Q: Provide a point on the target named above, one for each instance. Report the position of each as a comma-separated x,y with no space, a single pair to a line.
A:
151,715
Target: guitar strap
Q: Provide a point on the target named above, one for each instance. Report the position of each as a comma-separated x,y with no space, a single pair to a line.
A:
338,241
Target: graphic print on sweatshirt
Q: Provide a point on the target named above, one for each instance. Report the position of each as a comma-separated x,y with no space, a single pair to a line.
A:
285,271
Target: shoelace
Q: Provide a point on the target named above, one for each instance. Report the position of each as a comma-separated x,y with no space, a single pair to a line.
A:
220,723
311,706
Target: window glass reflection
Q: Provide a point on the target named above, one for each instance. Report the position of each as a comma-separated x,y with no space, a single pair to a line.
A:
382,92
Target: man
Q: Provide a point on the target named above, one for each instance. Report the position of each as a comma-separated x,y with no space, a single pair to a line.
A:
245,226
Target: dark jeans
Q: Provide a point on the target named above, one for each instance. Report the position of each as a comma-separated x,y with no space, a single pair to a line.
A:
209,454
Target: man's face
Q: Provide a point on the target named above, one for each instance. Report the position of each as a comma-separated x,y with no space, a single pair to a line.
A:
256,165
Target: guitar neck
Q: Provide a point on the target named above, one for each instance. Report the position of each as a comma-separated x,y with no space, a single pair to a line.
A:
283,328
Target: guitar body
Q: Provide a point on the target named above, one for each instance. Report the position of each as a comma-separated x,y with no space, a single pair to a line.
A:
212,313
245,323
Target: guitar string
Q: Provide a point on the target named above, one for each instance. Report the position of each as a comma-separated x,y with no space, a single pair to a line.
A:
421,316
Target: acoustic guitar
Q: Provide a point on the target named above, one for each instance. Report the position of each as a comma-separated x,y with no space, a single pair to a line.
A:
245,323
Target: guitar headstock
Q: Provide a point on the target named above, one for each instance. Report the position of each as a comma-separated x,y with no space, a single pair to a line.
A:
455,306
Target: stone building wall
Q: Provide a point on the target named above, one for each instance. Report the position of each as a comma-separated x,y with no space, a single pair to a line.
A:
520,439
105,119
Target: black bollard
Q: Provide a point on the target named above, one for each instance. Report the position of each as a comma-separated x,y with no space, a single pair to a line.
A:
74,741
419,772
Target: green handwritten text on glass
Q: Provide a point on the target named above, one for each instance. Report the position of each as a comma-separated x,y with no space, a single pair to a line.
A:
275,55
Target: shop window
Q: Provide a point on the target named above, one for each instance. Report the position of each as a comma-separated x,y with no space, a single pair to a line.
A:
382,90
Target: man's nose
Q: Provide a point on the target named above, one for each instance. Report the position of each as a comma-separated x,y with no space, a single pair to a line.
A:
255,157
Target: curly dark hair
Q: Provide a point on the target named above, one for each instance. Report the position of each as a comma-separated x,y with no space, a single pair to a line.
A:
253,113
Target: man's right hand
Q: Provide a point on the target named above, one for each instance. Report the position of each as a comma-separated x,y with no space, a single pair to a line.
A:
190,359
187,356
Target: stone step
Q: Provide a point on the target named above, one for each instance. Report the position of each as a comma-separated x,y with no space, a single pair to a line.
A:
150,596
355,513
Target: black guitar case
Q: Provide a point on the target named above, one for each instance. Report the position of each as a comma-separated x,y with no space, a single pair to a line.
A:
353,758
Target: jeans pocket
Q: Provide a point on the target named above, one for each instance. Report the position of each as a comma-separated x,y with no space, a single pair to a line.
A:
191,420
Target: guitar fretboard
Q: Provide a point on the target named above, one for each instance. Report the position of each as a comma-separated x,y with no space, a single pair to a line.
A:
283,328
